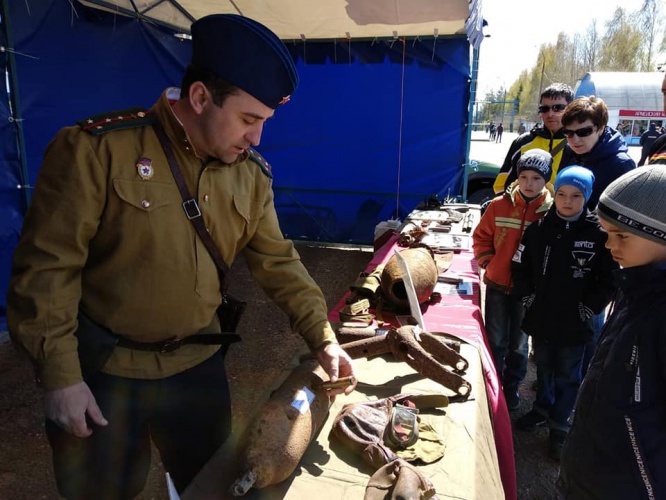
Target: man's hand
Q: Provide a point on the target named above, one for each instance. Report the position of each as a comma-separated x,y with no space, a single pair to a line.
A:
336,363
68,407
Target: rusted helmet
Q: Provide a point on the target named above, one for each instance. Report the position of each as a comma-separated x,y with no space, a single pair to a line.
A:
423,270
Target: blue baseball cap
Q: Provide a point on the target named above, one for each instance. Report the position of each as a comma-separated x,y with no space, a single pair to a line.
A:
246,54
577,176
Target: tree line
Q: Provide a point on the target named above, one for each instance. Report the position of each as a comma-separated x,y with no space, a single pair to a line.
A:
629,41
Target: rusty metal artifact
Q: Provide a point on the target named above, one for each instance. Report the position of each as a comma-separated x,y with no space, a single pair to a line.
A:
431,357
277,438
422,269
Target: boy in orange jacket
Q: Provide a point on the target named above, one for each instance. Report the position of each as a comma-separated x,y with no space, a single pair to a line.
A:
496,239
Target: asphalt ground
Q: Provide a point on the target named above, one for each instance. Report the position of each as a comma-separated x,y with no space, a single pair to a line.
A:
481,149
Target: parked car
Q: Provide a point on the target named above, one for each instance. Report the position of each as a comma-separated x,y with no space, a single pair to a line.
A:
480,180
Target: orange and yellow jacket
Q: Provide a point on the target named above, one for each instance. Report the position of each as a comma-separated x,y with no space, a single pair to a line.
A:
500,230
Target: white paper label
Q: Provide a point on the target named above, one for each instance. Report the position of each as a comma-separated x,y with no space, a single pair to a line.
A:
303,399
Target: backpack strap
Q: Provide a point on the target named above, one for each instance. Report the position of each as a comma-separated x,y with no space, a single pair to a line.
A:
557,149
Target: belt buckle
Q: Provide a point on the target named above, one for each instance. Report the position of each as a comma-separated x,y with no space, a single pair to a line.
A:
171,345
191,209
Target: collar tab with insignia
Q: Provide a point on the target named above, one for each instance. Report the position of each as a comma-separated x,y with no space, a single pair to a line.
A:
117,120
258,159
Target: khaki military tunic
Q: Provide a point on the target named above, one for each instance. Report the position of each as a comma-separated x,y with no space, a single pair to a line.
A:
106,233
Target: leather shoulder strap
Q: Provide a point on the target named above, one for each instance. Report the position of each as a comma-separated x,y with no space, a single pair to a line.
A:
190,205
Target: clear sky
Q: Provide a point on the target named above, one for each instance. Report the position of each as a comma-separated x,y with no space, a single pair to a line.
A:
519,27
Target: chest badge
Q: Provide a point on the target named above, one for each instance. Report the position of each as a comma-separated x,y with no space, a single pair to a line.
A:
145,168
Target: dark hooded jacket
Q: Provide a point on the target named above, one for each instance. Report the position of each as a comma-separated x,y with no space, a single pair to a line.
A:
616,448
657,152
563,273
608,160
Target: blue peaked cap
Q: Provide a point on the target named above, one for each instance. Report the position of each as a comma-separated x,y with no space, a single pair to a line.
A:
246,54
576,176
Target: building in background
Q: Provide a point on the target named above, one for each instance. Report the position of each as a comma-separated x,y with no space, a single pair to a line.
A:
634,100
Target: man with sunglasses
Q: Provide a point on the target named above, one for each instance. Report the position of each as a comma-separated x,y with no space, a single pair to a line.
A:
594,144
552,103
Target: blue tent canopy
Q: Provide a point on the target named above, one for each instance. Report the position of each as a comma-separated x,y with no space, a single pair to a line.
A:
375,126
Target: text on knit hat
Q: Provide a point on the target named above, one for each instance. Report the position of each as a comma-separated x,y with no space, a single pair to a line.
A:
538,160
636,202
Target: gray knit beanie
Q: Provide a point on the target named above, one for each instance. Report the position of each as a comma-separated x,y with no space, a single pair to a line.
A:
636,202
538,160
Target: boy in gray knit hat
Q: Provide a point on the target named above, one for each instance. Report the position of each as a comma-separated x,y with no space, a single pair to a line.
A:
615,448
496,239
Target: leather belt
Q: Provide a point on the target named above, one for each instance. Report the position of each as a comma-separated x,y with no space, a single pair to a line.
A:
171,345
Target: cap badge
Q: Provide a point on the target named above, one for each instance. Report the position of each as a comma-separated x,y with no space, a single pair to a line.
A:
285,100
145,168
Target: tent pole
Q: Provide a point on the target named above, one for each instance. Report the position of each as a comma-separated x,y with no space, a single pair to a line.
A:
470,118
15,102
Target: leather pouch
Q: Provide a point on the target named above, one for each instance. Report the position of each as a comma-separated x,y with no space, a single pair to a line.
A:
399,479
230,312
361,427
96,344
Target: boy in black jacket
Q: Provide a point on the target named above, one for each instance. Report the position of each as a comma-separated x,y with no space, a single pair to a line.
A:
616,448
563,272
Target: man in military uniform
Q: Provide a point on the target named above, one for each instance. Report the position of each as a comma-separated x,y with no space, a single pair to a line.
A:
106,242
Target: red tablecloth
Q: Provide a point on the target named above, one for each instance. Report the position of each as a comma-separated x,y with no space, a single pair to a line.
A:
461,316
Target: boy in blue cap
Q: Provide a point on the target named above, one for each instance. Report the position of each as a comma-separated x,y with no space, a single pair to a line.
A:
118,259
563,273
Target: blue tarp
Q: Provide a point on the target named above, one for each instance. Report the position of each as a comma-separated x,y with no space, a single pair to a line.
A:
12,203
373,129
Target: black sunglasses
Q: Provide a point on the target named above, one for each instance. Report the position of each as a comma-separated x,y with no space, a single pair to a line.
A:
555,107
581,132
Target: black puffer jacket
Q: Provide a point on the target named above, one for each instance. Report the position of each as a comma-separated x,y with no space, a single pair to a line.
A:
616,448
608,160
563,273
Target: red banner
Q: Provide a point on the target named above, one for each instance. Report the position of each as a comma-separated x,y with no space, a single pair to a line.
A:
642,114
